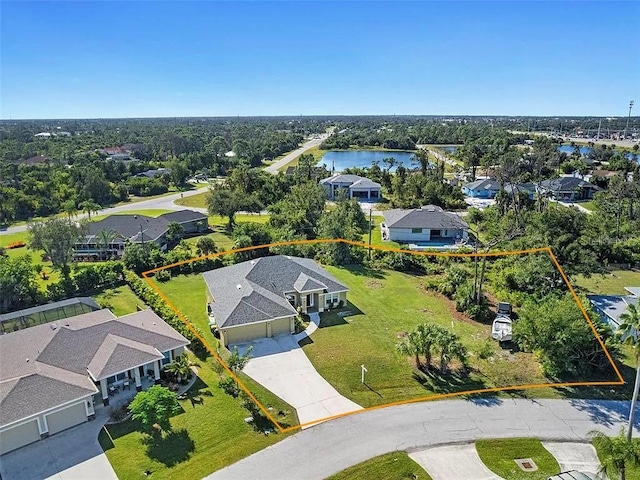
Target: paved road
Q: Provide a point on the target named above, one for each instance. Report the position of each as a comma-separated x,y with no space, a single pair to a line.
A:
165,202
330,447
275,167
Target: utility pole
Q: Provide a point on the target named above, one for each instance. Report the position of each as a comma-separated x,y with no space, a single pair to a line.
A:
370,230
628,118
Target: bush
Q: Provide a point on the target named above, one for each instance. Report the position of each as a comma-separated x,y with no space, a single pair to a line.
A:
163,276
229,386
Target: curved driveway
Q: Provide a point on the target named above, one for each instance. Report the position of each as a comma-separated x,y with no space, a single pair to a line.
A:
330,447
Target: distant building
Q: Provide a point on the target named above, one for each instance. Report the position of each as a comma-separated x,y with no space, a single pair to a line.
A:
425,225
512,189
37,160
43,135
153,173
611,307
483,188
136,229
353,186
569,189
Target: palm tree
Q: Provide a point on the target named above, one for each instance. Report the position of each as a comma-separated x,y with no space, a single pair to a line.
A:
179,368
630,333
429,337
616,453
89,207
70,208
104,238
411,346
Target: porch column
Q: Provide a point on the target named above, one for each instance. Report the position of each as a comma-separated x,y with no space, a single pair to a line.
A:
156,370
369,194
136,376
105,392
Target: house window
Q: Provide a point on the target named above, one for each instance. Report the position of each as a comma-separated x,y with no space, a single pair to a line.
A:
331,298
416,230
167,358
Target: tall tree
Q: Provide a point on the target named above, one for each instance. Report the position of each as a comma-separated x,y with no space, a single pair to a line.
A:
300,210
57,237
89,207
18,285
226,202
104,238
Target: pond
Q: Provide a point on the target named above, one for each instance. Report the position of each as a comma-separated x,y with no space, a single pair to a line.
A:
363,158
568,149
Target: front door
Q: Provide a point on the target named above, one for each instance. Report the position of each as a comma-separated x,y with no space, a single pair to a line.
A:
310,300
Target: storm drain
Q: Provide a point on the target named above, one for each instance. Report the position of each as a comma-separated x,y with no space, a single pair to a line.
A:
526,464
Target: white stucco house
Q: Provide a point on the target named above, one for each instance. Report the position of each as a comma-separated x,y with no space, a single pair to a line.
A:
52,375
353,185
428,225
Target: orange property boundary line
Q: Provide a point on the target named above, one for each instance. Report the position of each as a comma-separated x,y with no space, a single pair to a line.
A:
214,353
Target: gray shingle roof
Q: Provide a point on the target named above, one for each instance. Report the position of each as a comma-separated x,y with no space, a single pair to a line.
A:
50,357
353,180
254,291
564,184
181,216
483,184
429,216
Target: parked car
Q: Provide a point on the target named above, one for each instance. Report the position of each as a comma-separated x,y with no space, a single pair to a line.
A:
502,328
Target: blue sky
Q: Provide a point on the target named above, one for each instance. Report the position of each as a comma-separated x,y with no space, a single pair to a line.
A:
145,59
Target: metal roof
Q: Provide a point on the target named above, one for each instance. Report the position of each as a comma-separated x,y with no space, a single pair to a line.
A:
90,302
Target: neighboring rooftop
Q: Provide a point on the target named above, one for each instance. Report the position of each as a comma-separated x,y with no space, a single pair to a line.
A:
353,180
483,184
48,312
255,290
429,216
47,365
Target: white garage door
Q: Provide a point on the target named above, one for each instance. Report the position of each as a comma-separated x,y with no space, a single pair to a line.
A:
19,436
66,418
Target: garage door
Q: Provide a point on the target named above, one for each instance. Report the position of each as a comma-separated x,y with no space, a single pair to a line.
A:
66,418
19,436
282,325
246,333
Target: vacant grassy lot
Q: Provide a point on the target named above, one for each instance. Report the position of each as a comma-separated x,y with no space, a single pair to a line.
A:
384,306
52,275
120,300
392,466
376,234
199,200
210,434
611,283
499,456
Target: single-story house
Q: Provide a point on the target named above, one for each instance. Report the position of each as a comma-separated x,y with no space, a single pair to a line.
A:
52,374
570,189
353,185
153,173
512,189
136,229
259,298
611,307
483,188
425,224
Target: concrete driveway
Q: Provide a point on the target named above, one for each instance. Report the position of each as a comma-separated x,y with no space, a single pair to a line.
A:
575,456
453,461
280,365
74,454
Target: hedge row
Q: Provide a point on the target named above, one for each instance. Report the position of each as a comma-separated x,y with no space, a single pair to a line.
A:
158,305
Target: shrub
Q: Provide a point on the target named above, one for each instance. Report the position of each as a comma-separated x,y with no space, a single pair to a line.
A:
163,276
229,386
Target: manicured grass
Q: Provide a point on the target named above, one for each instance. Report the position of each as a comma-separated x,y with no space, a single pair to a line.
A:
611,283
385,305
150,212
35,255
632,471
199,200
392,466
590,205
376,234
120,300
205,437
499,456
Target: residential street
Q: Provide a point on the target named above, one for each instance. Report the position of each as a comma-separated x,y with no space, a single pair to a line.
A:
165,202
321,451
275,167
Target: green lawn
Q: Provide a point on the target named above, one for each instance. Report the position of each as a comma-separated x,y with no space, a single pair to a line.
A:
392,466
376,234
499,455
611,283
384,306
632,471
590,205
149,212
120,300
199,200
35,255
206,437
